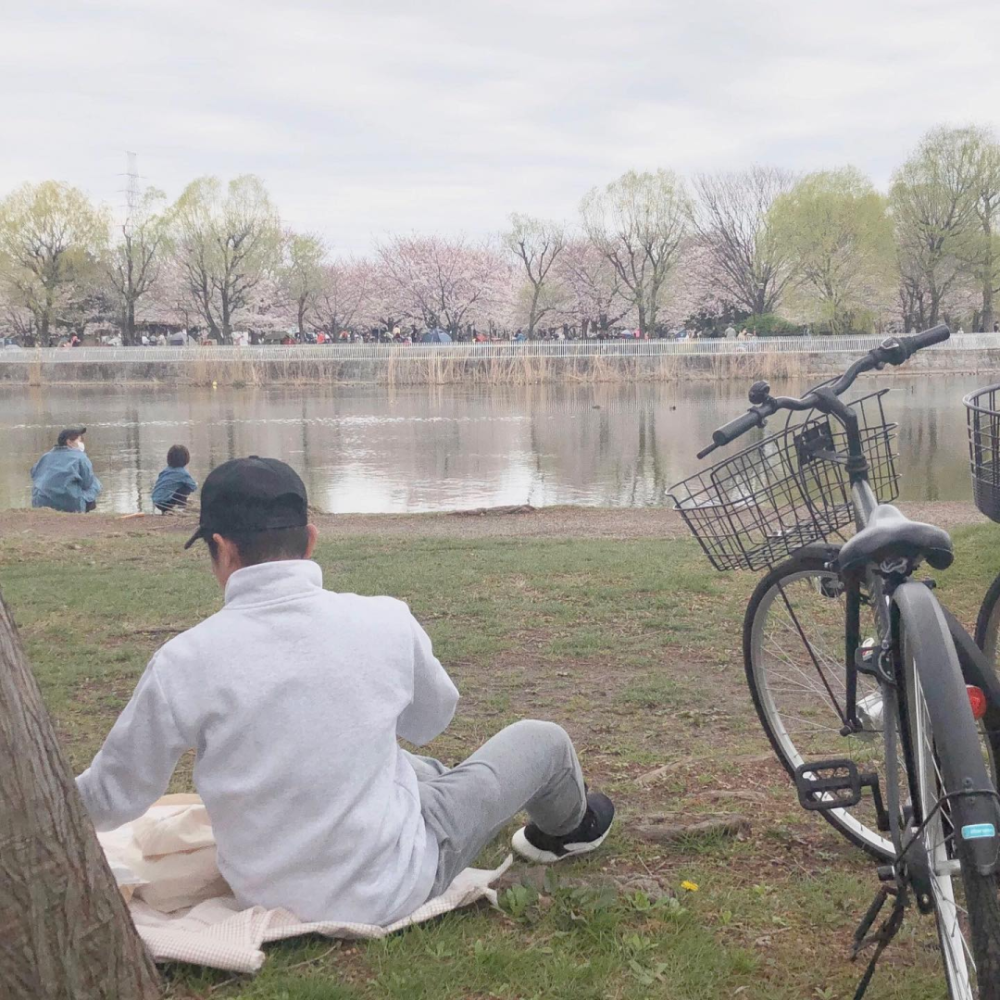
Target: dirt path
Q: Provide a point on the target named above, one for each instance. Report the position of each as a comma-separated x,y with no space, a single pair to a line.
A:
546,522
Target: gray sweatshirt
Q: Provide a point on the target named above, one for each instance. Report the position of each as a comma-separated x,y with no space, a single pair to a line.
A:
293,698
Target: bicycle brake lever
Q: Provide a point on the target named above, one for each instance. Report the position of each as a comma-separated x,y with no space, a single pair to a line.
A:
707,451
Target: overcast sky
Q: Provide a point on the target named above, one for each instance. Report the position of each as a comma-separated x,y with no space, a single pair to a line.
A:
370,117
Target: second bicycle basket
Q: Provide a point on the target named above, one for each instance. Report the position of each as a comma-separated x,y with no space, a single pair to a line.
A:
752,510
982,411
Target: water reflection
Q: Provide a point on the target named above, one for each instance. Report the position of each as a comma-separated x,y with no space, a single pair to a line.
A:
440,448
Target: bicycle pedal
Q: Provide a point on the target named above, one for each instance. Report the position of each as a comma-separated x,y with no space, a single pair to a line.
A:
828,784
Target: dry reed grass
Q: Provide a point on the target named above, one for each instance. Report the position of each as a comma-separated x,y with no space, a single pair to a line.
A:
241,369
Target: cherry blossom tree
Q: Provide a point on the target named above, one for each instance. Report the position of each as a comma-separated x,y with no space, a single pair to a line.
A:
693,291
347,295
597,299
443,283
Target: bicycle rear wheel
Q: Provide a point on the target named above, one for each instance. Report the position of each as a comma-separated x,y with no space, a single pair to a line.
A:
794,656
966,903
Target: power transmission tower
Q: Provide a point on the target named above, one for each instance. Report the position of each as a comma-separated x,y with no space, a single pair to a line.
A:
131,193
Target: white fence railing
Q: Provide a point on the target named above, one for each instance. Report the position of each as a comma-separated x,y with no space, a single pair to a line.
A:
499,350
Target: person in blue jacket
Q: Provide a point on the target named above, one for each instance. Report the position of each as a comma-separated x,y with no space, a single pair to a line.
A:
63,478
174,484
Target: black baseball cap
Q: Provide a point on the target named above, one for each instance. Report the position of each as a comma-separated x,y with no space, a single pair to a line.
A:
248,495
70,434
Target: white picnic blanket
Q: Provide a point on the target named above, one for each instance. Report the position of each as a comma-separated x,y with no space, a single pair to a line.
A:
165,866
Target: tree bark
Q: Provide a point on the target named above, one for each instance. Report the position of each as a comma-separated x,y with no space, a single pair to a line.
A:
65,931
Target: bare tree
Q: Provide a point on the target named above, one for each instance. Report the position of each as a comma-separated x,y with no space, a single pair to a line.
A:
537,244
133,265
637,222
733,223
67,934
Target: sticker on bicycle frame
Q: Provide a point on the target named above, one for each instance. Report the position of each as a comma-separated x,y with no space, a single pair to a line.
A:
978,831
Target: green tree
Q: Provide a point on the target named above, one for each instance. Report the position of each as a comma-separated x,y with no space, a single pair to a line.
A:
637,223
51,240
985,260
839,243
933,201
537,245
133,263
226,240
303,276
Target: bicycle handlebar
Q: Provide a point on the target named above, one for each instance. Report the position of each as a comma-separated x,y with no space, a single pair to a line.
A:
894,351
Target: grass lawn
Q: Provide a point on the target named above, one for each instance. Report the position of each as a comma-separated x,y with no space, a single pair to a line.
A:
633,646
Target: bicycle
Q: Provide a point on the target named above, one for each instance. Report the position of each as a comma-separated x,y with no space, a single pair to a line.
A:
982,410
862,681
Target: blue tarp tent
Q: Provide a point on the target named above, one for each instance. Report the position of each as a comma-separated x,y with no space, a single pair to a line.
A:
435,336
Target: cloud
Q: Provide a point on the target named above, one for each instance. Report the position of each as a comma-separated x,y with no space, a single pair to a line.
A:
366,118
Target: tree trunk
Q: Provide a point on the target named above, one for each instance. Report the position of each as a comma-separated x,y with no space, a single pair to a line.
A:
532,315
227,330
65,928
130,323
987,323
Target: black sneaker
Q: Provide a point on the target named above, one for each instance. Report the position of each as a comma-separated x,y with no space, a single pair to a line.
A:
544,849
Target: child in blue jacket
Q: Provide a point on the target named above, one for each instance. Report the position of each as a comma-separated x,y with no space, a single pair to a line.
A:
174,484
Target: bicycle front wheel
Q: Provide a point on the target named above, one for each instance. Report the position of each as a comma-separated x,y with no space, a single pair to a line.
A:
966,903
794,655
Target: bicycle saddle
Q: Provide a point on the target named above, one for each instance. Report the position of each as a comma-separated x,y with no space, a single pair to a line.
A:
891,535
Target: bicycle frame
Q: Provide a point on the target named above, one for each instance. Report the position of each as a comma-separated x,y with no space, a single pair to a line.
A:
894,595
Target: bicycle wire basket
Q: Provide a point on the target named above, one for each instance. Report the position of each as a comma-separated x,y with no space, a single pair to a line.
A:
759,506
982,416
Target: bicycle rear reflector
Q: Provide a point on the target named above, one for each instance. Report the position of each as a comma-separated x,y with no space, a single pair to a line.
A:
977,701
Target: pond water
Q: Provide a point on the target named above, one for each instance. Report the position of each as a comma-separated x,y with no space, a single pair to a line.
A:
433,448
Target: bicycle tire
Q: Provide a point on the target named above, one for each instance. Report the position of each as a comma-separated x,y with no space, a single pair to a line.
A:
961,740
800,566
988,622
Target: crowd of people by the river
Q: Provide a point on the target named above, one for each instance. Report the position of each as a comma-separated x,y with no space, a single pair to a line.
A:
462,334
467,334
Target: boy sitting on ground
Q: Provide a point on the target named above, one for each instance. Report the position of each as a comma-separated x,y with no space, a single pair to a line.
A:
174,484
294,698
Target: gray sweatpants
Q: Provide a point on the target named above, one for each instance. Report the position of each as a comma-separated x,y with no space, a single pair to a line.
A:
529,765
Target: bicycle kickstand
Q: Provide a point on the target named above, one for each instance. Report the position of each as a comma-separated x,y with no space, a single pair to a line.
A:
883,936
